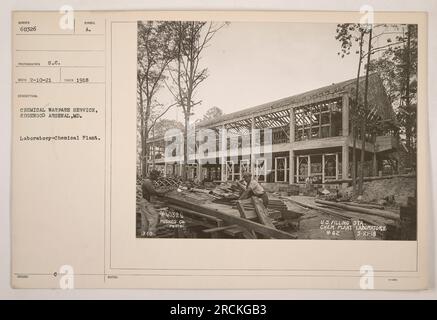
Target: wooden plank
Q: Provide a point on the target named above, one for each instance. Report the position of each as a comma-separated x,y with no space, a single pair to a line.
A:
249,234
261,212
195,222
367,179
245,212
235,231
206,191
375,212
219,228
247,224
196,214
376,221
241,209
365,205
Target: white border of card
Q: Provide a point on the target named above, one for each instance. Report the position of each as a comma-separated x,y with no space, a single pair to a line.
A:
72,200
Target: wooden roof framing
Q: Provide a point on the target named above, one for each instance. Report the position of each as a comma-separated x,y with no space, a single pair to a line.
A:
377,97
273,120
272,114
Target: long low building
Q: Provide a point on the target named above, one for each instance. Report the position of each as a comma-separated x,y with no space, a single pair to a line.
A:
291,140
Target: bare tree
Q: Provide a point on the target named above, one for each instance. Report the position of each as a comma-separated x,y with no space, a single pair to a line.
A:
364,111
192,38
345,35
156,49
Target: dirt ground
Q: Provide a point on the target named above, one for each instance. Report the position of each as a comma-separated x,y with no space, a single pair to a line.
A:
312,224
400,188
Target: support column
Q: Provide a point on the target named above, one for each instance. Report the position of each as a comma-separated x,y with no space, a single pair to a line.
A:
223,142
345,163
323,168
309,167
252,146
345,133
199,171
297,169
291,142
291,169
345,116
375,163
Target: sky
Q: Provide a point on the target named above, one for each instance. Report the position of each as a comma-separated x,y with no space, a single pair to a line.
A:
250,63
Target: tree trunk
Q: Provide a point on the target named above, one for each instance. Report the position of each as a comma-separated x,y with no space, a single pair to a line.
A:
375,162
354,159
363,122
408,129
185,166
153,149
354,120
143,163
362,155
145,120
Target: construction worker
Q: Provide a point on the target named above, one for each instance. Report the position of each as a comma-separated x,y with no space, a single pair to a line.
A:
149,215
253,188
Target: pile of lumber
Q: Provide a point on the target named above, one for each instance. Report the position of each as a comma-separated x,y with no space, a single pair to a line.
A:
253,209
286,212
276,208
227,191
367,179
355,207
249,225
372,216
332,209
167,182
355,212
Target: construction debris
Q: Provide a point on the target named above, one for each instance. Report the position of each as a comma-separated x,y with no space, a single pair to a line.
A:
212,210
376,212
357,222
226,218
367,179
366,205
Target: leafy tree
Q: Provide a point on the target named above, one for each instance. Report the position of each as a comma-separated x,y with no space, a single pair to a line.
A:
349,35
163,125
398,69
212,113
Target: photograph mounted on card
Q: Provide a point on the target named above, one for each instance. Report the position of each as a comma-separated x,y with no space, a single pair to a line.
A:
176,149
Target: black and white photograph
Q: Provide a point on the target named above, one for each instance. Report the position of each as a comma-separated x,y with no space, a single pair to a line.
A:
276,130
280,150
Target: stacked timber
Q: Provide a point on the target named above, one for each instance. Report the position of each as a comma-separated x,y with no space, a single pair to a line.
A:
365,205
221,220
354,208
277,208
372,216
286,212
167,182
385,223
227,191
367,179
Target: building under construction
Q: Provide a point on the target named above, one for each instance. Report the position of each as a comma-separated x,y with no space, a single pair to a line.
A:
304,163
311,139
